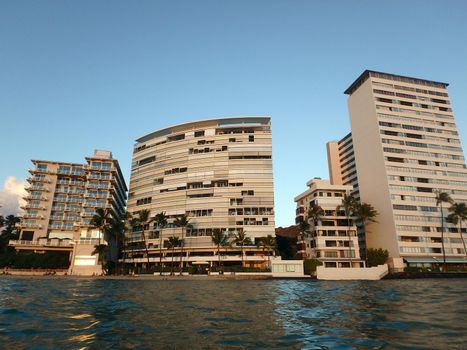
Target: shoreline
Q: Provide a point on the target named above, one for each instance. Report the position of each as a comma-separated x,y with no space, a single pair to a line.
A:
228,277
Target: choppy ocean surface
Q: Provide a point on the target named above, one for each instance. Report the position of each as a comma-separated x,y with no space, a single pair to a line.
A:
72,313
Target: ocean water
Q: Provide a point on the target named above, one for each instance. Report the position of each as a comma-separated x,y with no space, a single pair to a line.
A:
68,313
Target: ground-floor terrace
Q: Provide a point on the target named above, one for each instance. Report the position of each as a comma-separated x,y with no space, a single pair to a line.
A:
435,263
77,256
199,260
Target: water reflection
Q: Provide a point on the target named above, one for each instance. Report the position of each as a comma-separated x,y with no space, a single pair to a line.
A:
100,314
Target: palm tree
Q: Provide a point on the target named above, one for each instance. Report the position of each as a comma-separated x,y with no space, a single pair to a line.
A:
161,222
459,214
101,221
269,244
144,218
117,232
315,213
348,205
220,239
365,213
303,227
442,197
241,239
11,231
101,251
183,222
2,221
172,243
133,223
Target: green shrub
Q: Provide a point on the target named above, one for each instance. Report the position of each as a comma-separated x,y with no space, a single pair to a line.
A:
375,257
310,266
30,260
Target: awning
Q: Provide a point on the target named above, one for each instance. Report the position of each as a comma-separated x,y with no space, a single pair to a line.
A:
435,260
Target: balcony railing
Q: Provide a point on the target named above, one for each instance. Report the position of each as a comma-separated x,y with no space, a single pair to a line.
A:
61,227
32,179
30,225
106,186
35,196
32,216
42,242
32,206
72,182
69,172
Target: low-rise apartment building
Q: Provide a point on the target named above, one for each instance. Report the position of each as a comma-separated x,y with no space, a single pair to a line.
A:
332,238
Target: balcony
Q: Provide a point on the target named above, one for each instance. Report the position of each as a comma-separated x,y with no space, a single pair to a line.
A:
33,179
32,216
104,187
96,205
68,199
32,206
30,225
71,182
61,227
44,242
40,171
100,168
35,196
70,172
37,188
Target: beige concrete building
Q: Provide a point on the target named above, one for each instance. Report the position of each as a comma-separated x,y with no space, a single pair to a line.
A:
333,239
404,147
218,172
61,200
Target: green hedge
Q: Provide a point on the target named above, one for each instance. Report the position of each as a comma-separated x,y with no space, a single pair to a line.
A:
310,266
29,260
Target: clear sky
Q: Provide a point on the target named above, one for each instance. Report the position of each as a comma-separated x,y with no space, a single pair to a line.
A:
80,75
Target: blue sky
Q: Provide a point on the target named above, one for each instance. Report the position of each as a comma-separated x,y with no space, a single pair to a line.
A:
80,75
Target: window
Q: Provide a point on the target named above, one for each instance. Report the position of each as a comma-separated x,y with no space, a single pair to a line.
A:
144,201
251,138
147,160
41,167
199,133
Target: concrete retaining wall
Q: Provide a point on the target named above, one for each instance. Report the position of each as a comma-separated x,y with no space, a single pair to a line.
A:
337,274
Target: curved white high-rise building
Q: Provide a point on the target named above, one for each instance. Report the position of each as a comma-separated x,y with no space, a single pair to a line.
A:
218,172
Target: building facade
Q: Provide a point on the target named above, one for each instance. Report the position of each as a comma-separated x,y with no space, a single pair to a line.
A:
60,202
332,239
218,173
405,149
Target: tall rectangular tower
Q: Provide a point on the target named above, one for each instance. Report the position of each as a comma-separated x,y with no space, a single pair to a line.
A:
406,149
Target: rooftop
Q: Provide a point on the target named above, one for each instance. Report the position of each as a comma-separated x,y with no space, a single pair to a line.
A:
367,73
226,122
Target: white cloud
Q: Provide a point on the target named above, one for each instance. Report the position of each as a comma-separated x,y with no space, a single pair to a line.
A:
11,196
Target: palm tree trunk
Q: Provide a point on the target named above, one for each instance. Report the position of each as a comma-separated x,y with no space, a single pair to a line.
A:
219,258
348,234
462,236
160,251
145,246
243,259
172,266
442,237
269,261
181,252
